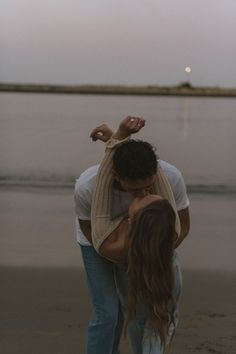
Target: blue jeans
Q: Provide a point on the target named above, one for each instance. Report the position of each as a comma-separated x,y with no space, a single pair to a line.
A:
139,335
105,327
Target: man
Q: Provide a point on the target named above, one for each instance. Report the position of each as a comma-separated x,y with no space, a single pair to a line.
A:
133,177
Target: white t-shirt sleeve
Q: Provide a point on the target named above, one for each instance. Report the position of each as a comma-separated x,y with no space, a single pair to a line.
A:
177,184
180,193
83,192
82,201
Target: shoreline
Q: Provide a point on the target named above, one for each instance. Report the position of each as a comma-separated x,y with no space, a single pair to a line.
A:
184,89
68,185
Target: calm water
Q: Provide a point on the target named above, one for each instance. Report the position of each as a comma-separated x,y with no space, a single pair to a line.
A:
47,136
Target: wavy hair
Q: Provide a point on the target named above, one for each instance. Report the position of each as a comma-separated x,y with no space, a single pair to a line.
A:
150,247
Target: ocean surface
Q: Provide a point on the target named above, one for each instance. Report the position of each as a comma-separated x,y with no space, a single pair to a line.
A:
44,138
44,143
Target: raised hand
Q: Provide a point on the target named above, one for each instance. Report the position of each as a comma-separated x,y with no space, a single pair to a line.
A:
129,125
102,132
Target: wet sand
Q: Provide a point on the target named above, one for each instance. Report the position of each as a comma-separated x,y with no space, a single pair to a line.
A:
46,311
44,300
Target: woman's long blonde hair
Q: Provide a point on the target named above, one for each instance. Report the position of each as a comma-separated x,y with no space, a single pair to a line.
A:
150,247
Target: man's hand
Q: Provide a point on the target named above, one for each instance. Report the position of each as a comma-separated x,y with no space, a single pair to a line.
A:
102,132
129,125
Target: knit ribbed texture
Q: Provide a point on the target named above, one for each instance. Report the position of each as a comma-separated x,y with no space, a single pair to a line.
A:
102,223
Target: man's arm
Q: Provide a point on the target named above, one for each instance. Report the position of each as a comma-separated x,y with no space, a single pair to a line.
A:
184,218
86,229
178,186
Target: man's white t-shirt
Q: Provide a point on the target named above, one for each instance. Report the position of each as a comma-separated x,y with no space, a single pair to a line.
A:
84,189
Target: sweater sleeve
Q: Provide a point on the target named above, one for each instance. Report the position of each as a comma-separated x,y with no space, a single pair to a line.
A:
102,223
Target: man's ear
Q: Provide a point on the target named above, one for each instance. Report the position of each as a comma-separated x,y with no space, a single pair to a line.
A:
115,175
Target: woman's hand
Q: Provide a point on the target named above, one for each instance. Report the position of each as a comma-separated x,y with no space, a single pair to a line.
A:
102,132
129,125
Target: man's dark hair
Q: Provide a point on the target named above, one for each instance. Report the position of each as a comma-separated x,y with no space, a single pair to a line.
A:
135,159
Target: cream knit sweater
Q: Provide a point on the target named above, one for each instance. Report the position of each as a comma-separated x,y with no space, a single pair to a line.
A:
102,223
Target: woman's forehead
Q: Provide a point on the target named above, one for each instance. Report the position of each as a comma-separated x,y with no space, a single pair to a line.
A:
140,203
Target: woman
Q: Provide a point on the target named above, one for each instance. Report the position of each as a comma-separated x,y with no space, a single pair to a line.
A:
154,277
144,243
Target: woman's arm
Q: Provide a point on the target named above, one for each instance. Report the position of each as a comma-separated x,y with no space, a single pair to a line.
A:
113,247
103,227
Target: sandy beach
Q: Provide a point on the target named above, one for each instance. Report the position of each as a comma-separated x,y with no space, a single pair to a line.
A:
45,307
46,311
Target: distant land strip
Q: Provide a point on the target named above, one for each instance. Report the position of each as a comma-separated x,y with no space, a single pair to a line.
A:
184,89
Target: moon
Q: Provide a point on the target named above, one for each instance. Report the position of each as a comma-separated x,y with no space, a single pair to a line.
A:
188,69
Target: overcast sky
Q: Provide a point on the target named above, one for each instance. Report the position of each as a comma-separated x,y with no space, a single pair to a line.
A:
118,41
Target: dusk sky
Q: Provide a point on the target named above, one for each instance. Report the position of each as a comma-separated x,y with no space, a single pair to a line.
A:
118,41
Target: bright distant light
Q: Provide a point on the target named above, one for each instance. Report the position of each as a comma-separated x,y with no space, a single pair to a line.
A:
188,69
